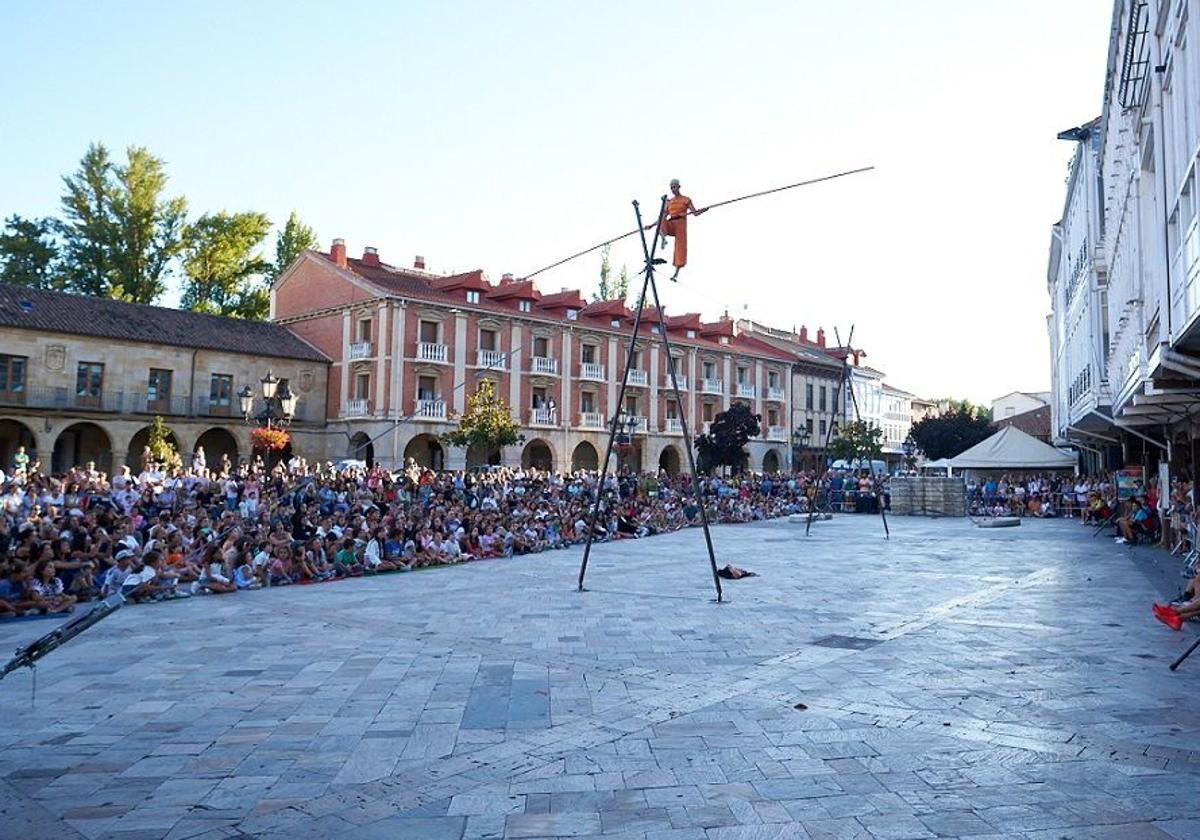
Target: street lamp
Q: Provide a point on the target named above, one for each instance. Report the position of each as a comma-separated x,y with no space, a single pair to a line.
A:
279,403
910,451
800,442
623,439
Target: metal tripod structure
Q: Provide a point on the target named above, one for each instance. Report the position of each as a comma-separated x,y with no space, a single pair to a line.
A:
845,384
648,284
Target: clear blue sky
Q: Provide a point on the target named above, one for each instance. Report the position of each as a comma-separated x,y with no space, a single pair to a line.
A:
504,135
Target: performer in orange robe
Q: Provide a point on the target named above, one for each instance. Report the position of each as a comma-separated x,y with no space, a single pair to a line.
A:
675,224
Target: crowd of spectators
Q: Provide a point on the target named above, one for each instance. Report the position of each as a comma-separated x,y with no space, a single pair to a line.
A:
183,530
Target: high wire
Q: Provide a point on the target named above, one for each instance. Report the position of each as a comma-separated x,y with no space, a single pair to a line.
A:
758,194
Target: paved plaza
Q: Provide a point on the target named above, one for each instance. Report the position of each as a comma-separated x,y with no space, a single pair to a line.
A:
953,682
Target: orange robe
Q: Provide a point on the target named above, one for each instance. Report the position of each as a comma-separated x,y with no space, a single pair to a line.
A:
675,224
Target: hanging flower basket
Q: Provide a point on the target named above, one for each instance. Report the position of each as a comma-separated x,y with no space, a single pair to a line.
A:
269,439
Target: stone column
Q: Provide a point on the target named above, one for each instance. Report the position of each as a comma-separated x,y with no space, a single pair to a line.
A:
460,361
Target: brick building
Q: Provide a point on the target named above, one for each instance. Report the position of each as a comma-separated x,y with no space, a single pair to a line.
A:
408,346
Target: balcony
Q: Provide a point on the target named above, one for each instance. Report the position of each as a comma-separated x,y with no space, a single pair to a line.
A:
492,359
592,371
143,403
357,408
674,426
430,409
712,386
540,364
639,378
542,417
591,420
776,433
745,389
775,394
427,352
680,378
360,350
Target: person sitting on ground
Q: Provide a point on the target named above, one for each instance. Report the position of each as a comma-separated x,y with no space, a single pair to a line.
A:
49,587
16,596
84,587
346,559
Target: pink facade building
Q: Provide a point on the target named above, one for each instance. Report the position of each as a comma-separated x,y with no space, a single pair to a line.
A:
408,347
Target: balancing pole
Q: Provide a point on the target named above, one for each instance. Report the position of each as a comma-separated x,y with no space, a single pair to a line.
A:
1186,654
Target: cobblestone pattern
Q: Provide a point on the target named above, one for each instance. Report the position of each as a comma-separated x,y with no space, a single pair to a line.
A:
953,682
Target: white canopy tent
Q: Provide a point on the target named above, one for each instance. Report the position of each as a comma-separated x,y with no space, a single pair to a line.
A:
1012,449
941,465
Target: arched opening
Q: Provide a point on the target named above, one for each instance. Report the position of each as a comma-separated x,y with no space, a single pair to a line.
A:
362,449
426,451
218,445
668,461
480,456
13,435
79,444
771,462
133,458
630,458
585,457
537,455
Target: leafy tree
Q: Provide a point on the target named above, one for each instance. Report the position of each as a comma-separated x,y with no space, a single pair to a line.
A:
295,238
222,266
724,445
88,229
959,428
28,253
605,290
487,423
119,232
160,442
621,288
857,440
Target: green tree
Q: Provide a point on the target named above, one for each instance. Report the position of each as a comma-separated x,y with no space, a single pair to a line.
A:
621,289
223,267
724,445
119,232
295,238
87,227
486,424
955,430
28,253
160,444
857,440
605,290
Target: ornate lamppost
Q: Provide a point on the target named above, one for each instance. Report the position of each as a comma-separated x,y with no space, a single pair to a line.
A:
623,441
278,411
910,451
800,438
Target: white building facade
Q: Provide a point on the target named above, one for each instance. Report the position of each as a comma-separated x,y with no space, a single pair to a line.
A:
1125,329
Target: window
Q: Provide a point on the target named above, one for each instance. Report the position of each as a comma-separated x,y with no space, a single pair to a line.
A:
724,339
362,386
824,403
772,379
541,348
631,406
635,362
540,400
429,332
743,376
808,396
589,354
525,306
808,427
12,375
822,428
426,388
691,333
89,380
654,329
158,388
587,402
710,370
220,390
364,329
772,417
488,340
615,322
572,314
672,410
706,412
472,296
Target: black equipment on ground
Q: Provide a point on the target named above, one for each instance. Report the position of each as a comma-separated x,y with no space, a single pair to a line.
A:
27,655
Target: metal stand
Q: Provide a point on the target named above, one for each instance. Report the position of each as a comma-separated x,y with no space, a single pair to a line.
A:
844,383
648,251
1186,654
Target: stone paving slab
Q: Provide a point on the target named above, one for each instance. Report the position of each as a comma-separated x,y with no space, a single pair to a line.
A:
950,682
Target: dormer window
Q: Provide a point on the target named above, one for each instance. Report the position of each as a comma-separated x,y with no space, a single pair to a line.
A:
654,329
525,306
724,339
572,314
615,322
472,296
691,333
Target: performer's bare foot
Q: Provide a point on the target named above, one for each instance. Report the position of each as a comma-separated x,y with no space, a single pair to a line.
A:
664,243
675,276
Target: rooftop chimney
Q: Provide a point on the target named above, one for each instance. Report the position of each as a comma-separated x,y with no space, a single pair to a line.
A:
855,358
370,256
506,279
820,336
419,262
803,333
337,253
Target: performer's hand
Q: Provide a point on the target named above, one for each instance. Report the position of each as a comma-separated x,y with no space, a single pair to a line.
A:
700,211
